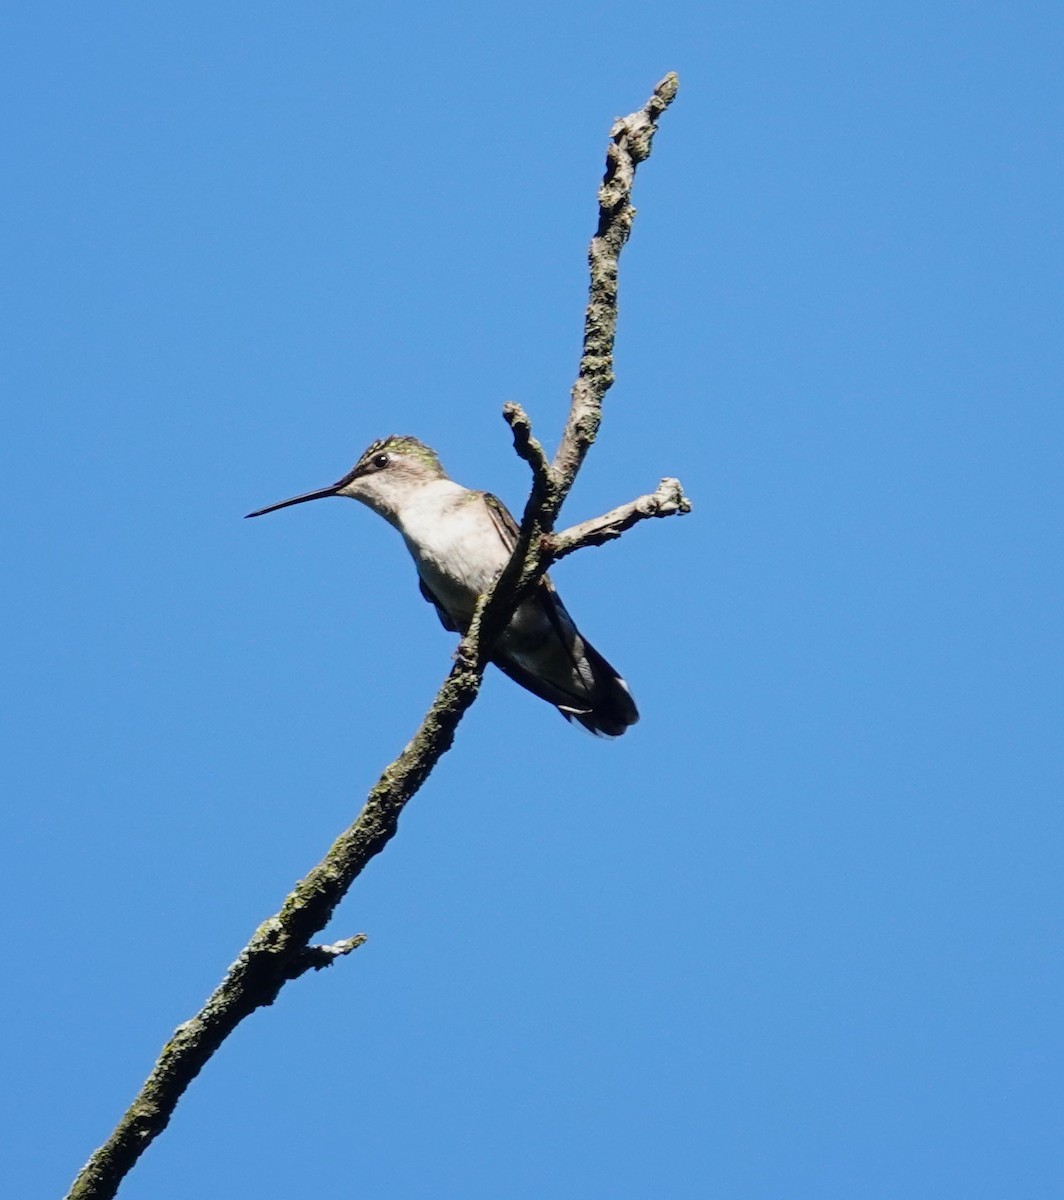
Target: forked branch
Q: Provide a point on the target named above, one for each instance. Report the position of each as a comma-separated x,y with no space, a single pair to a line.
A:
280,949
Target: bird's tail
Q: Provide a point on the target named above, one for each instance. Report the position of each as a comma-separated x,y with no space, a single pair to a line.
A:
608,708
580,683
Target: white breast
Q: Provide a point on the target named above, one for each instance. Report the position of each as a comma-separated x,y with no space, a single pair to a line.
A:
454,541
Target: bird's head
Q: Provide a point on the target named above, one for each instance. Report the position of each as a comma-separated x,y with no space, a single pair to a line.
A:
386,475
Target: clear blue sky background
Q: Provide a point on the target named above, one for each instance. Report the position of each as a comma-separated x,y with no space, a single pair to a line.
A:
799,933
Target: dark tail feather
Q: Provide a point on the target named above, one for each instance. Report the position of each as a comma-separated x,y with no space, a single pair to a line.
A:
604,706
612,707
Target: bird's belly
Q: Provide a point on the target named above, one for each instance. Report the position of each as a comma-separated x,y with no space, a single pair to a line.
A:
457,578
528,628
456,545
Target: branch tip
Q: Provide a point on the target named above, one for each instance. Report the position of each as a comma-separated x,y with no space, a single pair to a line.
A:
665,92
527,446
314,958
667,500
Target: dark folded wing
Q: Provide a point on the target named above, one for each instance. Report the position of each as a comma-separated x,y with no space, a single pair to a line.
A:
504,522
568,640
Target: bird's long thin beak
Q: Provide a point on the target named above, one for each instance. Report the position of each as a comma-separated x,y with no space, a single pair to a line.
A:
318,495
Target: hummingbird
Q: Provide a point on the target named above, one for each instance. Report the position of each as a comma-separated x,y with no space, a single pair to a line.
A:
460,539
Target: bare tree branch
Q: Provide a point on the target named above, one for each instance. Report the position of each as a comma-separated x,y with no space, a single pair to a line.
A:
666,501
631,140
280,949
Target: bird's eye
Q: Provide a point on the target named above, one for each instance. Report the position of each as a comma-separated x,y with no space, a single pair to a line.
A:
380,461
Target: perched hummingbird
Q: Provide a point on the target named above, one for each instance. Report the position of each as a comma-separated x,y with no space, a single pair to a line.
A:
460,540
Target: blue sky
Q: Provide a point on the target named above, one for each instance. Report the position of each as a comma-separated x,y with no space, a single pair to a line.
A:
798,934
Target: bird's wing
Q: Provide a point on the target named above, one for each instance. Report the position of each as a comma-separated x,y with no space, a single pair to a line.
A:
504,522
568,704
548,600
545,593
441,612
569,672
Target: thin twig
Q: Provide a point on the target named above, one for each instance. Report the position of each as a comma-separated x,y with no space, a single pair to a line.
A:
314,958
528,447
280,949
667,500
